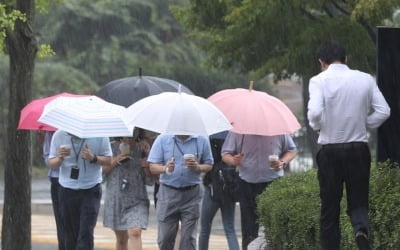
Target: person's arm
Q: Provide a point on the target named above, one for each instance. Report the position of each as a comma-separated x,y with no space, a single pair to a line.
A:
231,159
114,162
284,160
158,168
315,105
195,166
56,162
380,108
287,157
88,155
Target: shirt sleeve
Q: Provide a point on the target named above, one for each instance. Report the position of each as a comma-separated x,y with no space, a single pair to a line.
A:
155,154
207,153
315,104
46,147
53,147
288,143
380,108
229,146
105,149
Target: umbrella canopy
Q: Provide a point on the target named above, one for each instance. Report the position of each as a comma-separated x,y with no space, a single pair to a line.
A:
126,91
86,117
177,113
255,112
32,111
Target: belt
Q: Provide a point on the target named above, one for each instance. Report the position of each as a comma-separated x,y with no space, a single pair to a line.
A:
181,188
345,145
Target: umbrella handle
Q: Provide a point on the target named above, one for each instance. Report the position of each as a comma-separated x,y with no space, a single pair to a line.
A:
251,84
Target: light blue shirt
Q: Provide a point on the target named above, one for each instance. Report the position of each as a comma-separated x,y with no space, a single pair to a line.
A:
255,167
166,147
344,103
53,173
90,174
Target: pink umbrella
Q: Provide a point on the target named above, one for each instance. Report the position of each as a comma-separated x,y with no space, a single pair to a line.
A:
30,114
255,112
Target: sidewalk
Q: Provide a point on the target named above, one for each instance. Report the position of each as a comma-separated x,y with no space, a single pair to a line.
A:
44,235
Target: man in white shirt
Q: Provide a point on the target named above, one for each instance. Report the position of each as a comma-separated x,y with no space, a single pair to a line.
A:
343,104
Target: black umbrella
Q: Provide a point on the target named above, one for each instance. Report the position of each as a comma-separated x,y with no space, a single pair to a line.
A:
126,91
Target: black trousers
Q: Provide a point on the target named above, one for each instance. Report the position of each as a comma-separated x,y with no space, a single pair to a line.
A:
55,186
79,209
248,210
343,165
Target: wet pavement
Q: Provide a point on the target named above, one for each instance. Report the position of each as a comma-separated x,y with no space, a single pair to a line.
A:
44,230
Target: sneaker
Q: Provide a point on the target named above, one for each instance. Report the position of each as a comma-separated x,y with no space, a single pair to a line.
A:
362,241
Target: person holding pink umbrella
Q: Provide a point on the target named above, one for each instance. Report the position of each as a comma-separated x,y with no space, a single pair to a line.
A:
259,145
253,156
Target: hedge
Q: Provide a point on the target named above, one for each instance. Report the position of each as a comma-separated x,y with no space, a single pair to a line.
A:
289,211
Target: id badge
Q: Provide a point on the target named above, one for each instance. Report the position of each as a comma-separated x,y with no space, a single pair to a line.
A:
74,172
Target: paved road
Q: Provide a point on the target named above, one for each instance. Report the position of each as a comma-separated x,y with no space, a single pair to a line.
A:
44,229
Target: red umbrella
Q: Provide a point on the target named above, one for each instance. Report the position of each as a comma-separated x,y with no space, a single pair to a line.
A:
30,114
255,112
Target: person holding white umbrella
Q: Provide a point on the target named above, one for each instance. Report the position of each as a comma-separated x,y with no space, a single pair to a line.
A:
180,160
180,155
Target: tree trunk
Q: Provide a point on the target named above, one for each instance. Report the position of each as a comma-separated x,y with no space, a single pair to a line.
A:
22,48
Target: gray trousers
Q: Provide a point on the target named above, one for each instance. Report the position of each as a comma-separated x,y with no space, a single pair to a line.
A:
174,206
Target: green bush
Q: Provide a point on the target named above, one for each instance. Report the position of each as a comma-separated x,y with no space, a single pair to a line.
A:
385,206
289,211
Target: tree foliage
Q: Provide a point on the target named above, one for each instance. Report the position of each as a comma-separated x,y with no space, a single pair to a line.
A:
280,37
7,21
111,39
273,36
116,37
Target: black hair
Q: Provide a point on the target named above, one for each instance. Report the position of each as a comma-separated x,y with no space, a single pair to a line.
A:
141,134
330,52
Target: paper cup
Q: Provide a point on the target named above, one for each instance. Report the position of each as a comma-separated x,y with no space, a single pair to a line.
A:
273,158
67,146
187,157
124,148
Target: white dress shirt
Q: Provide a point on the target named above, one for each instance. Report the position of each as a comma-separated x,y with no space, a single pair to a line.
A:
344,103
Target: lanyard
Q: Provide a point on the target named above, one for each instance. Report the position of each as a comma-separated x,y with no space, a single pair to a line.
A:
79,152
181,151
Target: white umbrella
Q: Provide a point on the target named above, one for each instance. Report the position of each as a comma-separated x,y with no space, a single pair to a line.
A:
85,117
177,113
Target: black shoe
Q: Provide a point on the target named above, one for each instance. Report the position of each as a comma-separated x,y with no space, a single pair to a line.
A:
362,241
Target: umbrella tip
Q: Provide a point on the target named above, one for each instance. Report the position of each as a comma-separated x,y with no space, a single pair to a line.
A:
140,72
251,84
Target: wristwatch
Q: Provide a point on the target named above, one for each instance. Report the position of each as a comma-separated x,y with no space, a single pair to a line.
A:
94,160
